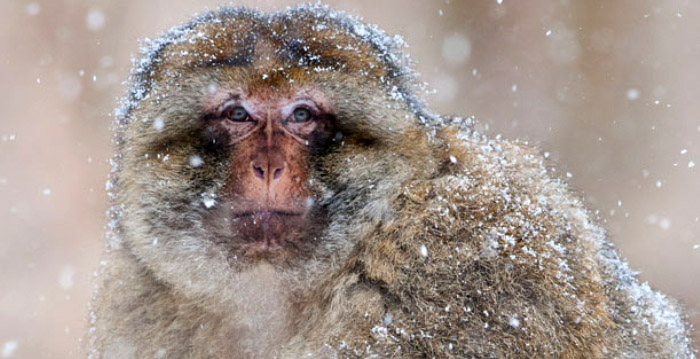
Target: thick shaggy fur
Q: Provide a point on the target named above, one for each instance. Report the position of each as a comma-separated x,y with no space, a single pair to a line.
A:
439,242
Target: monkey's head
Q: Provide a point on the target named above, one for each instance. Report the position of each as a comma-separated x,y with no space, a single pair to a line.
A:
252,140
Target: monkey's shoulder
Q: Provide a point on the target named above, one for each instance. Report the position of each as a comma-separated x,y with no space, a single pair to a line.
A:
496,211
495,250
493,254
494,194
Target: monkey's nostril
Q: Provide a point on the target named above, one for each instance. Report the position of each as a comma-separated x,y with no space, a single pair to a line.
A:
259,172
277,173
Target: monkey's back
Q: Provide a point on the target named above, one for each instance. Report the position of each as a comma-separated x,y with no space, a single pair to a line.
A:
495,258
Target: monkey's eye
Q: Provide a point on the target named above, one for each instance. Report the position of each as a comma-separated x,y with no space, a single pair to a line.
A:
235,114
302,115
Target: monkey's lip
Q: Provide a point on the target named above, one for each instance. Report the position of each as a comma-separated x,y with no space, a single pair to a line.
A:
267,213
268,230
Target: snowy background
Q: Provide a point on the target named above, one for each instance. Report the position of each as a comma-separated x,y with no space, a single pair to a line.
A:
610,90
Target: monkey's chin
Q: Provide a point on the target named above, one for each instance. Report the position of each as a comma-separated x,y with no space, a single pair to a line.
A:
267,233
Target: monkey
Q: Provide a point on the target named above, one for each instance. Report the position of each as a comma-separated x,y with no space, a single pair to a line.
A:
282,190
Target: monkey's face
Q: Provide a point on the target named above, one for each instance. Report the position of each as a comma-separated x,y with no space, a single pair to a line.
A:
271,140
255,164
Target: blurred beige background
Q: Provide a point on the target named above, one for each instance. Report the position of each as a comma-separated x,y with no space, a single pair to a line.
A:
610,89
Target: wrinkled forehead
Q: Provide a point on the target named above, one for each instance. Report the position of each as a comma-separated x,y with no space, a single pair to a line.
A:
269,44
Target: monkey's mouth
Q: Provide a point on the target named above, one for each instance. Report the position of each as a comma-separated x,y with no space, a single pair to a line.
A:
268,230
266,214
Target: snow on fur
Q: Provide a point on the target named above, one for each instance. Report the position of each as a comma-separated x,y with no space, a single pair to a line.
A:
494,255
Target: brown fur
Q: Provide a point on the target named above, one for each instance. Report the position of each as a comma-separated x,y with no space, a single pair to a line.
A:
438,242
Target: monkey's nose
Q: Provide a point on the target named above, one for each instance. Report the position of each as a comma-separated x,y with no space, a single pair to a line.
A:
262,171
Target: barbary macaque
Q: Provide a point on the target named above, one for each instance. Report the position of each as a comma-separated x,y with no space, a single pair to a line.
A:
281,190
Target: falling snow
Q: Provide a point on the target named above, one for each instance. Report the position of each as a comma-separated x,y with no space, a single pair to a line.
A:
65,278
8,349
514,322
196,161
424,251
33,9
209,202
632,94
95,19
456,49
158,124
